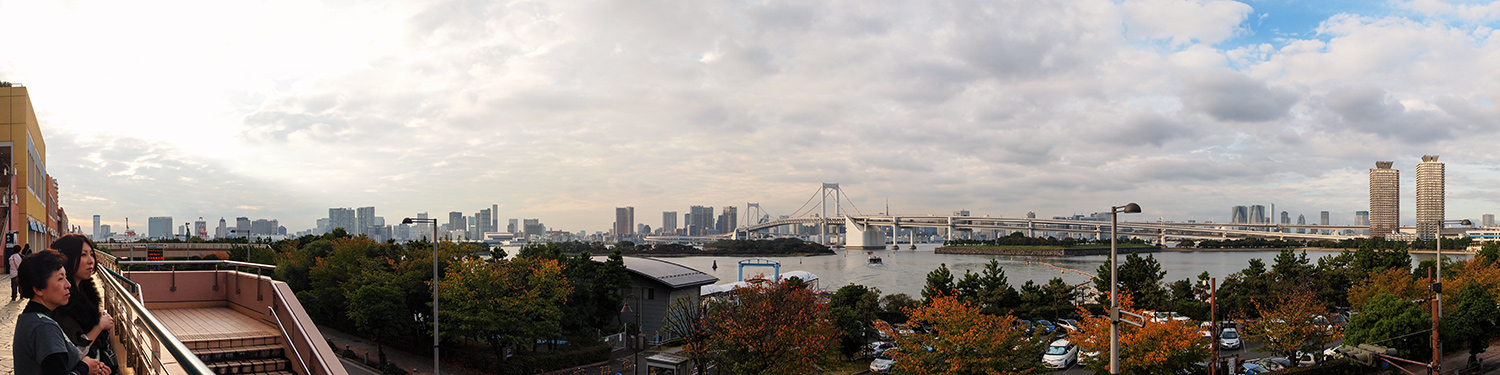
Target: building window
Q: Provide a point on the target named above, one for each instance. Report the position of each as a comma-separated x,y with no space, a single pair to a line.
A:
651,293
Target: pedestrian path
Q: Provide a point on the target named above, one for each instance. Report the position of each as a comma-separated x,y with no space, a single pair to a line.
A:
410,362
8,315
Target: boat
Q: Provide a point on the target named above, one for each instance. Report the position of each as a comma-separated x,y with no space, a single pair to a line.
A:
874,259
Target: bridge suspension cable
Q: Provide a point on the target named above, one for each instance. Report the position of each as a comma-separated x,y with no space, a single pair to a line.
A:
799,213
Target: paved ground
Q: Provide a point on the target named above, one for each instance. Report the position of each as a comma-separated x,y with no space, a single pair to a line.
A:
411,362
8,314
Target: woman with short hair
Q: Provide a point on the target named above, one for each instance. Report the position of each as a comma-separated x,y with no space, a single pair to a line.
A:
40,347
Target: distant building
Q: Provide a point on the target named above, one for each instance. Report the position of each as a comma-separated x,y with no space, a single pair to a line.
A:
624,222
242,227
728,220
1301,220
222,230
668,222
456,222
512,227
98,236
363,218
700,220
1258,215
1488,220
1430,197
1239,215
533,227
485,220
1362,218
159,227
1385,199
200,228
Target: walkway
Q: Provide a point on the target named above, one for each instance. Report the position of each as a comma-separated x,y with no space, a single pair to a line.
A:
407,361
8,314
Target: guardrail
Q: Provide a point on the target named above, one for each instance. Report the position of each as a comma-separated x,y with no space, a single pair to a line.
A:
141,334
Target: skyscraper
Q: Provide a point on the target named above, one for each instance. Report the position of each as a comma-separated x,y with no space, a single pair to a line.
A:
728,220
624,221
242,226
1286,218
1488,220
456,222
97,236
363,217
702,221
1385,199
668,222
222,230
337,218
485,220
159,227
511,227
1301,220
1430,206
1258,214
1239,215
494,217
200,228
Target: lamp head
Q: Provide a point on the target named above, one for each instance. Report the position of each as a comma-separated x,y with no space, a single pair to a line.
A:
1131,209
406,221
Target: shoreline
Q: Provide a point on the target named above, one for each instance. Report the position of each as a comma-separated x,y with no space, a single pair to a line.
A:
737,255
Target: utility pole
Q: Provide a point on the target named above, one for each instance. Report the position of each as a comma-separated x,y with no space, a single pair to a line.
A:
1437,349
1213,318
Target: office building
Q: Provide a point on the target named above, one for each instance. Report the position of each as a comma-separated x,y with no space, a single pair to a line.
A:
200,228
241,227
1286,219
363,218
1362,218
511,227
341,218
456,222
533,227
668,222
1258,214
728,220
1239,215
1385,199
222,230
700,221
159,227
97,235
1488,220
1301,220
485,221
494,217
624,222
1430,205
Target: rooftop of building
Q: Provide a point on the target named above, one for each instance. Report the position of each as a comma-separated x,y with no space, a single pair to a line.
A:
668,273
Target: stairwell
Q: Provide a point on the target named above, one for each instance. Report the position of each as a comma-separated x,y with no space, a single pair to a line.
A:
245,355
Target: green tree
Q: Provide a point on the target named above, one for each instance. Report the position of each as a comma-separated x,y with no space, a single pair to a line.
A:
853,307
376,308
1387,317
504,303
1470,320
1139,276
939,283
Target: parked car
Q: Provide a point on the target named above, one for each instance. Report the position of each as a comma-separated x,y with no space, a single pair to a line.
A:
1060,355
1206,329
878,348
1229,339
1045,326
1070,324
882,365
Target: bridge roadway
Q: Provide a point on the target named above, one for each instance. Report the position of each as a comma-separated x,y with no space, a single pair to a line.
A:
1163,231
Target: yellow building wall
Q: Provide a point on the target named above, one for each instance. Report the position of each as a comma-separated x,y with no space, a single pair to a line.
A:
18,124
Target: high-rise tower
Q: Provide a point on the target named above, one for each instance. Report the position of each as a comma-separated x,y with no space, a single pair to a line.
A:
1430,207
1385,199
624,222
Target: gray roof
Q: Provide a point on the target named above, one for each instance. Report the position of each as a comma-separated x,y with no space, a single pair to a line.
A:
672,274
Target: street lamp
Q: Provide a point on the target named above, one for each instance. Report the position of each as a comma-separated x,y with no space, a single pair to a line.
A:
436,370
1114,284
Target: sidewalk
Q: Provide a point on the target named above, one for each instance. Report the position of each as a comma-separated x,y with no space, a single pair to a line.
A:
408,361
8,314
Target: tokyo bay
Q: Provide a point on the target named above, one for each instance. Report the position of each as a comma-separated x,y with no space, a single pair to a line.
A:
905,271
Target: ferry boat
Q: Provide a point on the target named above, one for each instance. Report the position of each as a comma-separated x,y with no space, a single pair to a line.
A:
220,321
874,259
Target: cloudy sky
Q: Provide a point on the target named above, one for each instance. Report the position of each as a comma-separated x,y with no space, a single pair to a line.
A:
563,110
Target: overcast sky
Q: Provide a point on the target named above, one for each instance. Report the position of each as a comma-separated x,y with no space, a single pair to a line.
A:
564,110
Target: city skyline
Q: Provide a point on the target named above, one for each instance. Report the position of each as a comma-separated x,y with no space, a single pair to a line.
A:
562,110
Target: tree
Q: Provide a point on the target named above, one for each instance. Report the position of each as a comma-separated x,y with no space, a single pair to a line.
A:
1139,276
775,328
504,303
376,308
1470,320
853,307
939,283
1165,348
963,340
1286,325
1394,281
1389,317
687,319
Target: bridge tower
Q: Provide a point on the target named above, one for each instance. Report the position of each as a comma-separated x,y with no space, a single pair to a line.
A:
753,214
838,207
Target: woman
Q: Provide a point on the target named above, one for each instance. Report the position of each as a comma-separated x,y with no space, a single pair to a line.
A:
82,319
40,347
14,259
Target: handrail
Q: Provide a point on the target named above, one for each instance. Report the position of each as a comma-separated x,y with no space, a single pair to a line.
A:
300,329
289,343
185,357
229,262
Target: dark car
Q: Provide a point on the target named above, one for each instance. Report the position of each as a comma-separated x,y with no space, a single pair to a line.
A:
1045,326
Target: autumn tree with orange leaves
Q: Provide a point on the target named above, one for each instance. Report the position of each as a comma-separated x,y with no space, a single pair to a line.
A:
963,340
1287,325
1165,348
772,328
1397,281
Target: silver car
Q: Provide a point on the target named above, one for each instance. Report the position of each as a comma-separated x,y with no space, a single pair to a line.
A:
1060,355
1230,339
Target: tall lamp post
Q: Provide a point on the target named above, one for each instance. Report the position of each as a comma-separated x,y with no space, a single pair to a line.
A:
1437,289
436,369
1114,284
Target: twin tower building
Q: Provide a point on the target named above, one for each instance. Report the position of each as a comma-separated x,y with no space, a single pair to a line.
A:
1385,198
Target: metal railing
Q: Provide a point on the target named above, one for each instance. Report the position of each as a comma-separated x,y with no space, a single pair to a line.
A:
312,344
142,335
259,296
289,344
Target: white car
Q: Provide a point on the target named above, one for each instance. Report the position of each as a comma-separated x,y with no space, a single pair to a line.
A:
882,365
1060,355
1230,339
878,348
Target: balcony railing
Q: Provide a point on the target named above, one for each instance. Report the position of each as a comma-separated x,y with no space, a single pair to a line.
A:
139,333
